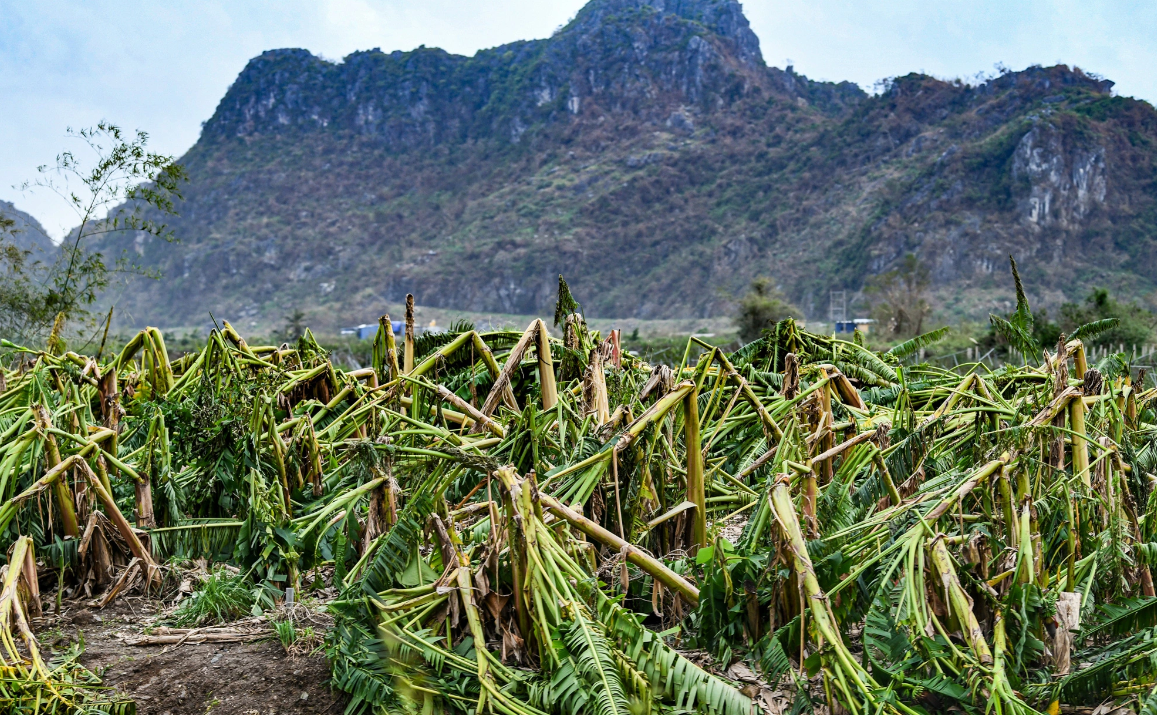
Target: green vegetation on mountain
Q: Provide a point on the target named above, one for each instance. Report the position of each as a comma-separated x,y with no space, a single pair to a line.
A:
652,155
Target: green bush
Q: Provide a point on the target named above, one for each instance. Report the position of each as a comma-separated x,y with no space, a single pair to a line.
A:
1134,327
761,308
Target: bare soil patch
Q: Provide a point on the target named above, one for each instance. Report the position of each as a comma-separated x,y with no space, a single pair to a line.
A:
253,678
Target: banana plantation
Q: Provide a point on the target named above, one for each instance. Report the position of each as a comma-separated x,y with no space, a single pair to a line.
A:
522,523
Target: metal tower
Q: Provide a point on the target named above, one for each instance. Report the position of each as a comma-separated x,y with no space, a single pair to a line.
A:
838,306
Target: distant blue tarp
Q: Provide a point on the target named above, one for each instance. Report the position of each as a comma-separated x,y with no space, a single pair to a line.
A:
851,326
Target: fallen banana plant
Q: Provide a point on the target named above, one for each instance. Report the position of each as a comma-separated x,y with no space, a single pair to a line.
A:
29,684
523,524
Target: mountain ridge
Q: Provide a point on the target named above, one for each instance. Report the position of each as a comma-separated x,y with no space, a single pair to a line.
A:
27,234
647,152
635,52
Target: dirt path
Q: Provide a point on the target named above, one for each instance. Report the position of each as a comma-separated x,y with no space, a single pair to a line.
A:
255,678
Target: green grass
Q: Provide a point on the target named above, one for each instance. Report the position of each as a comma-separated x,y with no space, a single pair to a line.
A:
222,598
286,633
290,635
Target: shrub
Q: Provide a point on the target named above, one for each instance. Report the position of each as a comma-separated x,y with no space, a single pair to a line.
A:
761,308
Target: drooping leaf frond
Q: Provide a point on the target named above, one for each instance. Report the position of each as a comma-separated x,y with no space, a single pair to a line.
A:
431,340
867,361
1124,618
909,347
1094,328
1023,317
1016,336
595,664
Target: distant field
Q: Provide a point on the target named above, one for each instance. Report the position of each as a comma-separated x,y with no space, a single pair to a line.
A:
440,318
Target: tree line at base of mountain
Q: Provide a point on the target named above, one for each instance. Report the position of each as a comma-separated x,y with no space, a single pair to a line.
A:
898,302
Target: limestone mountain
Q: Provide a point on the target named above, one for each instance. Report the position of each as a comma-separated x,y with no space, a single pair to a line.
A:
27,234
647,152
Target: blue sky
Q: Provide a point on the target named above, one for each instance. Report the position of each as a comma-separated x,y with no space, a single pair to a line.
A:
163,67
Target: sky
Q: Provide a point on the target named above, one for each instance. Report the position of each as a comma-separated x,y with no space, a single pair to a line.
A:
163,66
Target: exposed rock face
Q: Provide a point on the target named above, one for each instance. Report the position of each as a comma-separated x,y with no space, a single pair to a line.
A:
1066,182
646,152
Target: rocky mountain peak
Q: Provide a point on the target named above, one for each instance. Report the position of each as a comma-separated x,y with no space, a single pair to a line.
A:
639,60
722,18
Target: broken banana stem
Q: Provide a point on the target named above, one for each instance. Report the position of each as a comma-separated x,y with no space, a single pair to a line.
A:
643,560
960,601
122,524
820,611
472,411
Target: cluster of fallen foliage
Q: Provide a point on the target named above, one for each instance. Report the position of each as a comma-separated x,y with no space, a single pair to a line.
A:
523,524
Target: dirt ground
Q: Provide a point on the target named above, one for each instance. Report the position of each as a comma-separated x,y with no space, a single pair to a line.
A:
254,678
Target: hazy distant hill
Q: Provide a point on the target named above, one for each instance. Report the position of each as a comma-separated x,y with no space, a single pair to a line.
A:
27,233
648,153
